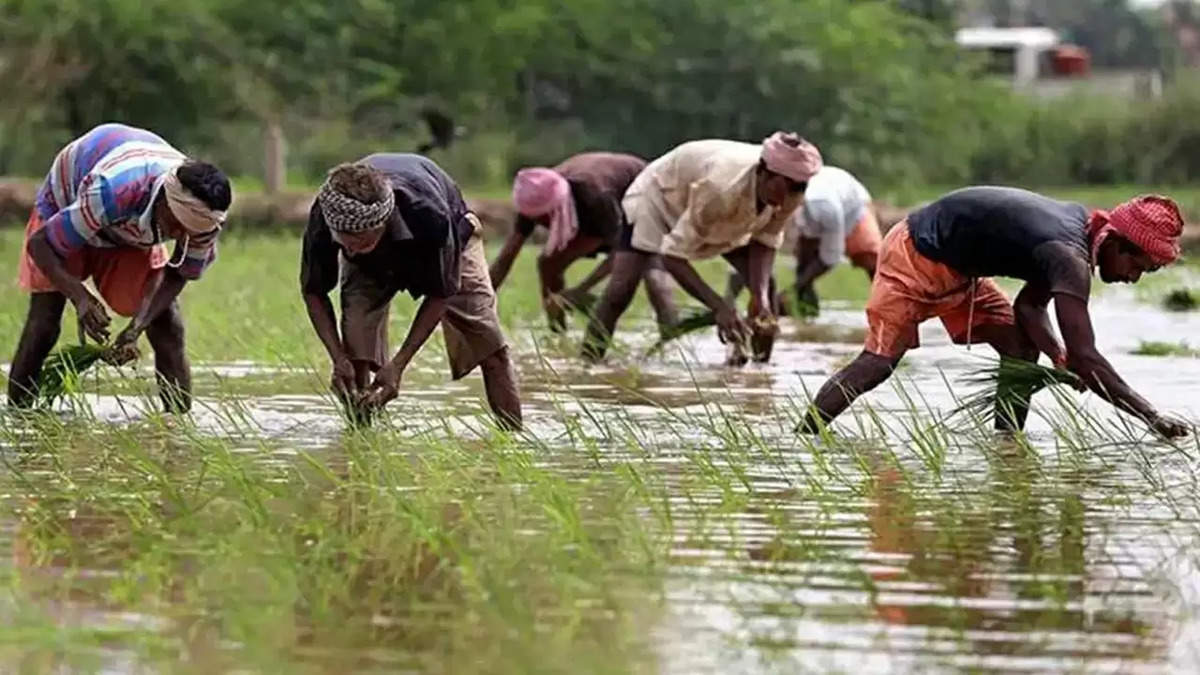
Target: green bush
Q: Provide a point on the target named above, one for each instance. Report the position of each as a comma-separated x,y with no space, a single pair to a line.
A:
1090,140
882,91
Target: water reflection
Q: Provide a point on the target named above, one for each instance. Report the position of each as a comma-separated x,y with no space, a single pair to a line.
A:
874,556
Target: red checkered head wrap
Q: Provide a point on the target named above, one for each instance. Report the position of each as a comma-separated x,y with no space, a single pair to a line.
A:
1153,223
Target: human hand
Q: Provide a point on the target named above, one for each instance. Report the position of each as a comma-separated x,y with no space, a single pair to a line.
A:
556,307
730,327
124,349
92,317
342,379
763,330
385,387
1169,427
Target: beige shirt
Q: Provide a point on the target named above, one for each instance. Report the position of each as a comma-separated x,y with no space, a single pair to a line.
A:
698,201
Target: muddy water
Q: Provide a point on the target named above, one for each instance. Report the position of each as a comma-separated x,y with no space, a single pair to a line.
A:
997,560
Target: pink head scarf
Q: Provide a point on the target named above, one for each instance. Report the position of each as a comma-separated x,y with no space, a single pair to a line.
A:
1150,222
539,192
799,163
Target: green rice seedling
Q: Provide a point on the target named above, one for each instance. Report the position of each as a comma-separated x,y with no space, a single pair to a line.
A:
355,412
62,369
583,303
692,320
1159,348
1010,383
801,304
1181,300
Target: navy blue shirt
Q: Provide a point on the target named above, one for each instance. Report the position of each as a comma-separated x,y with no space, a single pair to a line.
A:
426,234
1007,232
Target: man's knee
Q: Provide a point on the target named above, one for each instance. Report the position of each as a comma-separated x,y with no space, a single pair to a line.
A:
168,328
866,262
867,371
498,361
628,270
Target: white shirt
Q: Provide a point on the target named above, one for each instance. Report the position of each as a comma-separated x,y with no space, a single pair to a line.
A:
833,204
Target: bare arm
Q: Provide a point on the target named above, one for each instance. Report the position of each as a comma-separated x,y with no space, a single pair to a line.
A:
730,326
600,273
812,270
1085,361
760,260
1033,318
387,381
166,288
93,317
428,316
54,267
691,282
504,261
324,322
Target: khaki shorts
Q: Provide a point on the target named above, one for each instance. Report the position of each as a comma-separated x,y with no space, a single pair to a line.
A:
470,327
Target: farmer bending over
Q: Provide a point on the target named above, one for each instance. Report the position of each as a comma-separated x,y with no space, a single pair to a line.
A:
702,199
579,203
112,199
837,219
400,224
938,264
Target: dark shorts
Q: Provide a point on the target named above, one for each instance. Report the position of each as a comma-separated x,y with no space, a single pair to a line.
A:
625,237
470,327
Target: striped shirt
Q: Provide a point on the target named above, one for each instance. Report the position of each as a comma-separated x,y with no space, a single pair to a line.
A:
101,191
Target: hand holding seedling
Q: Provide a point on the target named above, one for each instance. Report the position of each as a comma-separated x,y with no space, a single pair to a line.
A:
92,316
342,379
730,327
556,307
385,387
1169,427
124,349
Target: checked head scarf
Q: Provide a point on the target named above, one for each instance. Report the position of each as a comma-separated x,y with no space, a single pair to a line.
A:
346,213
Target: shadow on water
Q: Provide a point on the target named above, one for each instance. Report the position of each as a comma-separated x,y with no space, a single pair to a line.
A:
658,515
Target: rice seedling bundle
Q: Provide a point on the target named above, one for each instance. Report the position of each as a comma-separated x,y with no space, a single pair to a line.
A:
1181,300
62,369
581,302
1011,383
693,319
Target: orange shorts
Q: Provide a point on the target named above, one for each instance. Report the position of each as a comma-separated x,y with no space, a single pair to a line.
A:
910,288
120,274
864,240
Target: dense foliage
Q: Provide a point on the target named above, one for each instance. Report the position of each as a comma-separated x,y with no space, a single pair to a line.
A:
878,84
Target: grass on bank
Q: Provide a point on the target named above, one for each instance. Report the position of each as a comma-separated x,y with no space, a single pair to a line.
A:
1160,348
248,305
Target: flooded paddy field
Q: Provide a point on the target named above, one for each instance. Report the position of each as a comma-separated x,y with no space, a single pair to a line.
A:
657,515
